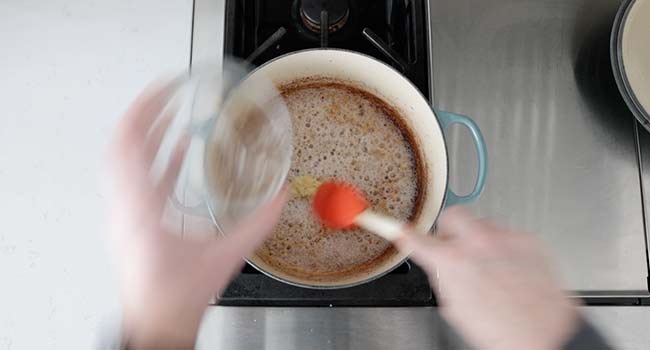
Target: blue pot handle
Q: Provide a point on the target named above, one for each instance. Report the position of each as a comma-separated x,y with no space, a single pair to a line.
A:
446,119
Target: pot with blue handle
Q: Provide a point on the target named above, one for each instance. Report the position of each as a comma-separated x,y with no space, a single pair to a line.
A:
425,124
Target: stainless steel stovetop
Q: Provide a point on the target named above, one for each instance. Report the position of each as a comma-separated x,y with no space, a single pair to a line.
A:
564,165
567,161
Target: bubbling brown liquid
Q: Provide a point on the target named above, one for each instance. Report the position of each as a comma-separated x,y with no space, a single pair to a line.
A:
341,132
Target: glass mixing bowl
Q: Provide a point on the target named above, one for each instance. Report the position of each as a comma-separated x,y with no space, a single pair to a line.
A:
241,142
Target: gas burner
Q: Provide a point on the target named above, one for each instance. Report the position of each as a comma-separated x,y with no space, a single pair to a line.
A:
335,12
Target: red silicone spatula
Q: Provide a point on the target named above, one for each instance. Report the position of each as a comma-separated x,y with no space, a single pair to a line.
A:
339,205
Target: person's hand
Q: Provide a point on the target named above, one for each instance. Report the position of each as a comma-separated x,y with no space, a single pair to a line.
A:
166,280
495,286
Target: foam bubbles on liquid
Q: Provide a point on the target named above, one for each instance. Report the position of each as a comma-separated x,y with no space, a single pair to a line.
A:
343,135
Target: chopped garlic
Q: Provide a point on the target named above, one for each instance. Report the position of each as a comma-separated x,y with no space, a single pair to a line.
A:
304,186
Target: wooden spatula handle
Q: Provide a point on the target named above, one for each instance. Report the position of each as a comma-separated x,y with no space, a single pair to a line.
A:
384,226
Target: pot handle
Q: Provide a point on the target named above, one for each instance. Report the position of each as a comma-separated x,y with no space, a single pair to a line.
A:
447,119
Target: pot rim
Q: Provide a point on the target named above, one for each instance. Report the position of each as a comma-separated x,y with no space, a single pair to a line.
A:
375,276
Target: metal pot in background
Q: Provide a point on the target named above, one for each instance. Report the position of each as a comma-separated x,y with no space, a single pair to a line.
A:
630,57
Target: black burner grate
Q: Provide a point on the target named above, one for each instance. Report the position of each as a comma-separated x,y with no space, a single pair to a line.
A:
405,286
393,31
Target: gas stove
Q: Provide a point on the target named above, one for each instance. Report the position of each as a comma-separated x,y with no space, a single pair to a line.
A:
393,31
567,161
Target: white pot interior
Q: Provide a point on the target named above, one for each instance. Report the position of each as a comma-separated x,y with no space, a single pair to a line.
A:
384,82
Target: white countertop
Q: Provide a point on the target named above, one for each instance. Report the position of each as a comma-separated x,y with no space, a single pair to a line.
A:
68,70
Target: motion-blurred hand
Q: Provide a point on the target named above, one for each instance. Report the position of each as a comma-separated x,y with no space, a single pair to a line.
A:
495,286
166,280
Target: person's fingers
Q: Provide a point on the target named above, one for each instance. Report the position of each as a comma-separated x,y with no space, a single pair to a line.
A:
168,180
455,222
526,247
425,250
485,239
146,108
126,149
227,253
134,126
156,136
